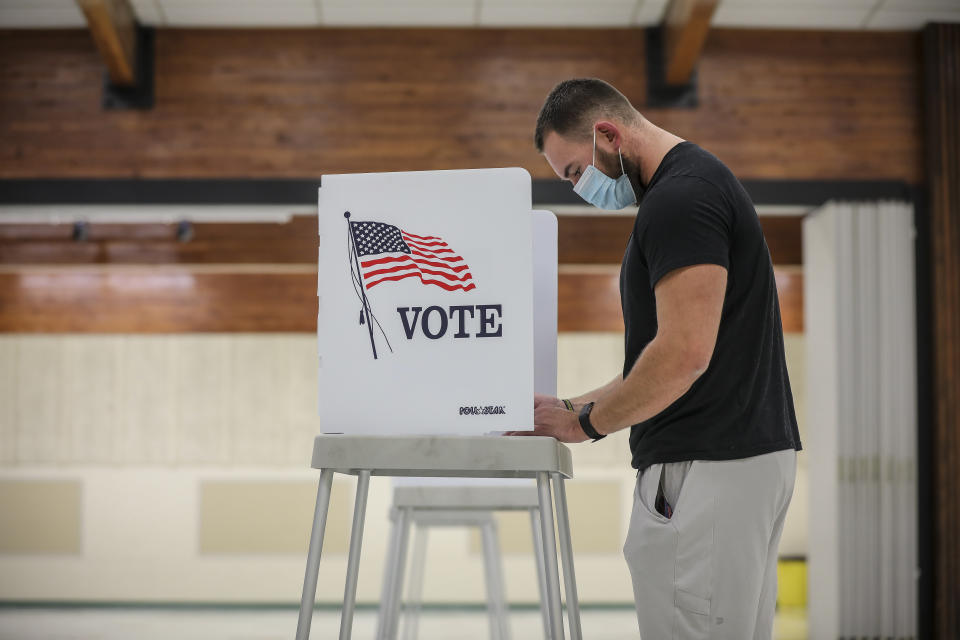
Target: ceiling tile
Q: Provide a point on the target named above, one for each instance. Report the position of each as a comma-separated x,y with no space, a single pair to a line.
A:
807,5
650,12
148,12
820,16
895,19
922,5
37,4
432,13
600,13
40,14
548,5
811,14
239,13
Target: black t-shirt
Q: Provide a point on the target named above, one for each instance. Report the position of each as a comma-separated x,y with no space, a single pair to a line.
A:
695,211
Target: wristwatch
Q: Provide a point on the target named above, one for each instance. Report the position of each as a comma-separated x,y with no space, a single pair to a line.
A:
585,424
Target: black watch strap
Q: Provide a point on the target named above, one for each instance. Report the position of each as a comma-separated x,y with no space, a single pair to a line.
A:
585,424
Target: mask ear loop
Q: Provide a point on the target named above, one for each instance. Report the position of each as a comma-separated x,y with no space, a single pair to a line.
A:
622,170
594,163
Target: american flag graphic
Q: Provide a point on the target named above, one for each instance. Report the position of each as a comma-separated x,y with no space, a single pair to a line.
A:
401,254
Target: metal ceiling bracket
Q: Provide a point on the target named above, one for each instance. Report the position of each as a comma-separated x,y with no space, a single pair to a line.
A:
661,95
140,95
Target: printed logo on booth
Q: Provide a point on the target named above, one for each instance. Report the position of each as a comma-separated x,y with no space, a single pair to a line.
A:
381,253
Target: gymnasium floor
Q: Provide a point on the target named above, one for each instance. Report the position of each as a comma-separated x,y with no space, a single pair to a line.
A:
277,624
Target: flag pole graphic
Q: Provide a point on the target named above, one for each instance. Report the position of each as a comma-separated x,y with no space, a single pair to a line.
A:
363,288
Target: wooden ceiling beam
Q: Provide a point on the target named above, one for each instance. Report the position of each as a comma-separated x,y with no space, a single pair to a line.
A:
685,24
113,26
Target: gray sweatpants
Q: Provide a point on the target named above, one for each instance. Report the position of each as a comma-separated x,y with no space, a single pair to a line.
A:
709,571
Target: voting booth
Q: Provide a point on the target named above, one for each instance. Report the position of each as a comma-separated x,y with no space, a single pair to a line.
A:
437,298
425,321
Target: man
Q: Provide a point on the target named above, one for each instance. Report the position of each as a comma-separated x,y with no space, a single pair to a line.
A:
704,387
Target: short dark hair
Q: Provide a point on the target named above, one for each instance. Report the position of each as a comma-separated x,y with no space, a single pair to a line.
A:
572,103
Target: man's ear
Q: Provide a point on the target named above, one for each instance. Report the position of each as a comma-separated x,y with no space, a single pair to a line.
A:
608,136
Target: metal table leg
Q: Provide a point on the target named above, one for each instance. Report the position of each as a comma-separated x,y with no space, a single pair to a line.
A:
353,560
313,555
496,596
550,556
411,621
541,577
389,569
392,619
566,555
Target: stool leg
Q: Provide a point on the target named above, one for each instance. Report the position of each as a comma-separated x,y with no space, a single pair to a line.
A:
390,568
502,601
566,555
541,578
492,594
415,597
353,560
404,519
313,554
550,556
496,596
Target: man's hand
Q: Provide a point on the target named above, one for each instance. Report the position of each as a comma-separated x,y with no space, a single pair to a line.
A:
553,421
541,400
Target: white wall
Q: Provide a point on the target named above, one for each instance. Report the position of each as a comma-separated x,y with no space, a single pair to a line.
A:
144,422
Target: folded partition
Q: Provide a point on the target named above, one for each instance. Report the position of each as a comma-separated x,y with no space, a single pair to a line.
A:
861,442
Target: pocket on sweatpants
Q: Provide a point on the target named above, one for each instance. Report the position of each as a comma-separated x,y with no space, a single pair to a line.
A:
692,616
650,539
695,524
647,487
692,602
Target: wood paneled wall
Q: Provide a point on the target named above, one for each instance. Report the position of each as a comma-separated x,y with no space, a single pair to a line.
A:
159,300
587,239
942,67
258,298
262,276
292,242
301,103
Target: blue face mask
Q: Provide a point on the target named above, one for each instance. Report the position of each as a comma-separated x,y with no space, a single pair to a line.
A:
601,190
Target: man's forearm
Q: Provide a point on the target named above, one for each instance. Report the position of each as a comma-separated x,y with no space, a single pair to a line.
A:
596,394
662,373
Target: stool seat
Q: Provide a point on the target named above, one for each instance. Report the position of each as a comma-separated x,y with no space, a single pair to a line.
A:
439,456
481,498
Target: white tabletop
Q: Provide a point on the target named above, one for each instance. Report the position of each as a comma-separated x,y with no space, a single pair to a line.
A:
451,456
